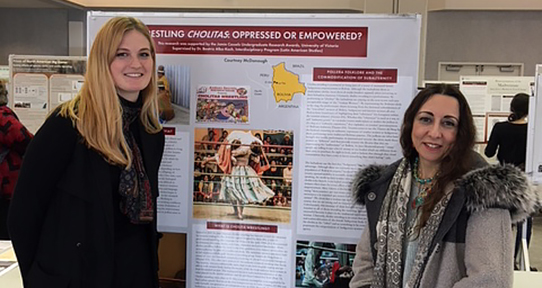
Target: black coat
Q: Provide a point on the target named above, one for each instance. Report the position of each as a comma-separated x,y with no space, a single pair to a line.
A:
61,217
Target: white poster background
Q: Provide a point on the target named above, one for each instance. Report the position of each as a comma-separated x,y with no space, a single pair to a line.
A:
30,99
240,259
534,133
39,83
64,88
173,200
491,94
4,72
392,45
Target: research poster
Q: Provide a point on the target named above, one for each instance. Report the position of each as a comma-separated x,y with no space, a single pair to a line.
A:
276,112
40,83
4,73
489,98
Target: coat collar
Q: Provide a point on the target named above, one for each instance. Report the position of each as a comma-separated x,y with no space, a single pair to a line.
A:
491,186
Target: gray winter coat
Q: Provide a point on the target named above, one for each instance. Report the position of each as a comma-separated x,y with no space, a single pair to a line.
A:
473,247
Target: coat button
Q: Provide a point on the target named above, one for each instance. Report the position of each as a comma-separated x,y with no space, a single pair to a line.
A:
371,196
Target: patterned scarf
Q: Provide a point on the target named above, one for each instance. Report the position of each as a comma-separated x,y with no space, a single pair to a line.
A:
134,186
391,227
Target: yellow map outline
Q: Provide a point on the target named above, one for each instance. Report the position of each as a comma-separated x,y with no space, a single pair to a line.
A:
285,84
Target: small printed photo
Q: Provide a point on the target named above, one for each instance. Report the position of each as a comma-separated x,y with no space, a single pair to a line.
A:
22,104
243,175
223,104
323,264
173,83
242,91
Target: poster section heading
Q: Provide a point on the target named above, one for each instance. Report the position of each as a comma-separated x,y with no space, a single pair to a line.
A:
276,41
355,75
242,227
54,66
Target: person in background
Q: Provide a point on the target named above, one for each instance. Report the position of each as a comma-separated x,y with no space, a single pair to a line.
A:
205,192
164,103
441,215
287,144
14,138
279,199
162,78
83,212
510,139
287,173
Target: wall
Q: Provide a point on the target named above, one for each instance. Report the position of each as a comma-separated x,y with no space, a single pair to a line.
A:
484,4
483,36
33,32
222,4
314,4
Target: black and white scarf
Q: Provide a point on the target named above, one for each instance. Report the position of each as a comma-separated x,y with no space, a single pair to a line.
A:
391,231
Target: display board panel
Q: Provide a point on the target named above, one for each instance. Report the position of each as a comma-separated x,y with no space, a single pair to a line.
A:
317,96
534,136
38,84
491,94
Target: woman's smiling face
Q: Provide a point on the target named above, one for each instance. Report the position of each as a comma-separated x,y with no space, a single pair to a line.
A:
132,67
435,128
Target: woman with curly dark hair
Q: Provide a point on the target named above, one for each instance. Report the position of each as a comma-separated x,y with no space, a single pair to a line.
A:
439,217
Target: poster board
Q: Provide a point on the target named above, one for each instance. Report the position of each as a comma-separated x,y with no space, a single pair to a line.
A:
39,84
324,94
4,72
493,118
490,94
430,83
534,131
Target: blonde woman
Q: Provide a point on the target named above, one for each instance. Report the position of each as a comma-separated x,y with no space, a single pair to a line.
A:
84,210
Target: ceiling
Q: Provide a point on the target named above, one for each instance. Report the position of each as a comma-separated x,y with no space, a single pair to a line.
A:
32,4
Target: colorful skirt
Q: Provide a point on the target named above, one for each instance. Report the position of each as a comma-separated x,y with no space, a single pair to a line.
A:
244,185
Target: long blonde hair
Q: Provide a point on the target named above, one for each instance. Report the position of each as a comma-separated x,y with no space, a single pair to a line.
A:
96,111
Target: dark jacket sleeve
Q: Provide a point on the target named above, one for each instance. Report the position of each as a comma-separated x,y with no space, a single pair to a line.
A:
45,161
493,142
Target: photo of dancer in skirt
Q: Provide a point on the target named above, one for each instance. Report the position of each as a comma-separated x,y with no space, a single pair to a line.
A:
237,164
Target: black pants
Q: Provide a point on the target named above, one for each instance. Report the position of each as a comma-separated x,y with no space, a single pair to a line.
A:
519,232
4,206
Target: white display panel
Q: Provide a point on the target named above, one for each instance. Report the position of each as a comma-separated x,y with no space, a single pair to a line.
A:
336,84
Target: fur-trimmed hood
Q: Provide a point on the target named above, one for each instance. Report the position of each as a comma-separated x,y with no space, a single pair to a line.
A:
492,186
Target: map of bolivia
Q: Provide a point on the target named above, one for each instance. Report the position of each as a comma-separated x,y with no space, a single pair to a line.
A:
286,84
